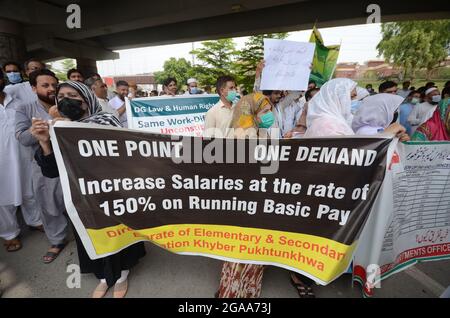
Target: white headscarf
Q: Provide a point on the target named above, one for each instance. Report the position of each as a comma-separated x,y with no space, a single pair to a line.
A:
361,93
376,111
331,106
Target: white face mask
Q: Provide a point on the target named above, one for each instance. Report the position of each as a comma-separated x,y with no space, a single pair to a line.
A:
436,99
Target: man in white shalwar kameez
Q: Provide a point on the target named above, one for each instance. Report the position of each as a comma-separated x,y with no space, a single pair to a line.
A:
23,90
424,111
15,173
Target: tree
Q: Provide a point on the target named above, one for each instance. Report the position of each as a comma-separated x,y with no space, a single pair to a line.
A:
216,58
415,45
180,69
249,57
61,70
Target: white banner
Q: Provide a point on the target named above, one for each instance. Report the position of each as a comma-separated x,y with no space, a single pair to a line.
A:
287,65
412,219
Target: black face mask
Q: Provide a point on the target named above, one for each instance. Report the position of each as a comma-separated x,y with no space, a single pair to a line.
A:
71,108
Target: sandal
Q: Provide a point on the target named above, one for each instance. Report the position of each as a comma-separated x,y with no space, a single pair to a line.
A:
51,256
304,290
12,245
120,289
100,290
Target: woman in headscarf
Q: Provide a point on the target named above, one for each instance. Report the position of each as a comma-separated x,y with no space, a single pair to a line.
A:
252,117
361,93
437,128
329,111
251,112
329,114
376,113
76,102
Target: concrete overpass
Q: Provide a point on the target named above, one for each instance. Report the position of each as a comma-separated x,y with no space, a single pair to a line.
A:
37,28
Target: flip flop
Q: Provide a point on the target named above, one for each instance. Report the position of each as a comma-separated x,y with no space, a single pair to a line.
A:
303,290
13,245
51,256
120,289
100,290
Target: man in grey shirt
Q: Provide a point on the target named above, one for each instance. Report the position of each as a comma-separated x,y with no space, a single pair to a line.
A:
48,192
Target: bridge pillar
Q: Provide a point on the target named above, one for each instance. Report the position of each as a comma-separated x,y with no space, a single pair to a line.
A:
12,42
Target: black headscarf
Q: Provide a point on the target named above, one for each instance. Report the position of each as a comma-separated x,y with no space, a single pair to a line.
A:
96,116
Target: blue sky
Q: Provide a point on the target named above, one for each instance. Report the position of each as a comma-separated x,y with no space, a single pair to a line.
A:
358,44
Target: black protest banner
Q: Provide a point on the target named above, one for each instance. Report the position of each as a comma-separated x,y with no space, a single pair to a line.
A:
297,204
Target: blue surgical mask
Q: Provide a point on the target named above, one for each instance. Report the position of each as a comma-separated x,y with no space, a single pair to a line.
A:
436,99
355,105
14,77
267,120
194,90
231,96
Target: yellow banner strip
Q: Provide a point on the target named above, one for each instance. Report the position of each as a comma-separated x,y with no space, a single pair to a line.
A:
318,256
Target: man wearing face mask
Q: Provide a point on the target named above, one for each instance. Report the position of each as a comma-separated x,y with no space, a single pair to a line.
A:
193,87
23,90
47,192
218,117
13,73
405,109
424,111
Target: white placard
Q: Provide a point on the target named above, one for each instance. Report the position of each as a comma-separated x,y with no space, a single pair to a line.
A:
287,65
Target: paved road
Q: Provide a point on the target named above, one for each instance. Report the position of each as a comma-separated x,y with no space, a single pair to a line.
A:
163,274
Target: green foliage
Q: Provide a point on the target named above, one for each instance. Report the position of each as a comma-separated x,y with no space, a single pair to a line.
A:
372,75
443,72
181,69
61,71
415,45
216,58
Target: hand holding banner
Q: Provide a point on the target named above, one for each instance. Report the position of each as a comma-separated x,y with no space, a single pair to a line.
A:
189,196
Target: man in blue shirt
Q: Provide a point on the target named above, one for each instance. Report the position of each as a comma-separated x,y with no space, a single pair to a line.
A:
406,108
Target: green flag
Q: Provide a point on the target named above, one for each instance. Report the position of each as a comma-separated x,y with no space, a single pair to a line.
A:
325,58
